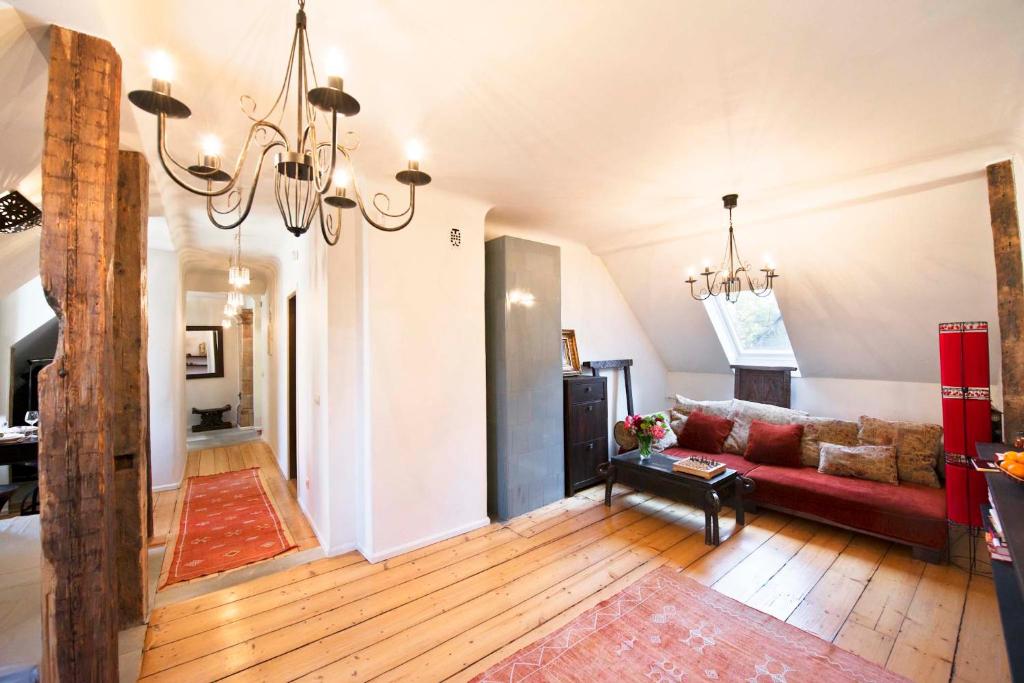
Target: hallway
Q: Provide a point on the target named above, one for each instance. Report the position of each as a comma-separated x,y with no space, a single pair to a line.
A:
168,504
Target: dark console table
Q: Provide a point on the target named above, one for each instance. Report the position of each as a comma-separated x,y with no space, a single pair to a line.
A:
1008,498
655,475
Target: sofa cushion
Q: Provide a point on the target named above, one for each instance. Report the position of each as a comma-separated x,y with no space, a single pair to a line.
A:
819,430
918,446
745,412
874,463
911,513
705,432
733,462
774,444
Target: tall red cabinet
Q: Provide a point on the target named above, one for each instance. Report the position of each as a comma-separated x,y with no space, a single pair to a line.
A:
966,420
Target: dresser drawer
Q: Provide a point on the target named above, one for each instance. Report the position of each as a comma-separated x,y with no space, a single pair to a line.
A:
583,460
586,422
585,391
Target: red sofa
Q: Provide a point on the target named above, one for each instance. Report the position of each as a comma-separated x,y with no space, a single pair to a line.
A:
911,514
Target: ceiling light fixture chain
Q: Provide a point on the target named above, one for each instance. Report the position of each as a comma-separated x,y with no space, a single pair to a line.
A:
733,274
307,168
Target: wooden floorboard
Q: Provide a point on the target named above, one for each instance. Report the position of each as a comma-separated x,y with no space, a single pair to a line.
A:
450,610
168,504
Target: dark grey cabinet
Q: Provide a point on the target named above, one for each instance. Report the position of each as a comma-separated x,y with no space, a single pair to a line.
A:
585,409
523,313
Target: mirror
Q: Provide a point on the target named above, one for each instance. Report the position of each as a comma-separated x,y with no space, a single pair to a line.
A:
204,351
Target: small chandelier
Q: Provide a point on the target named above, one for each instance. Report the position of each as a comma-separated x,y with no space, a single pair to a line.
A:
306,167
733,273
238,275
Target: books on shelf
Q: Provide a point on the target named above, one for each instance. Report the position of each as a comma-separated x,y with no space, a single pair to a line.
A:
994,538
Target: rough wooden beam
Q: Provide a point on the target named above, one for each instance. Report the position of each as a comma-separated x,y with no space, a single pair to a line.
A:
1002,203
79,171
129,389
245,396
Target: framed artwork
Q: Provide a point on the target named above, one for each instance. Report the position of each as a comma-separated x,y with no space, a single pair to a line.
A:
570,355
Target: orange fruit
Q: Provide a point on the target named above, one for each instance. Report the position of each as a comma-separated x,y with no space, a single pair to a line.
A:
1016,469
1011,456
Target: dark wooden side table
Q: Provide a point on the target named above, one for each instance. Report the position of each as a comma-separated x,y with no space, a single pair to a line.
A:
655,475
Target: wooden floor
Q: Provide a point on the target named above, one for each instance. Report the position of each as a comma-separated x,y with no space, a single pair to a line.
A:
452,609
167,504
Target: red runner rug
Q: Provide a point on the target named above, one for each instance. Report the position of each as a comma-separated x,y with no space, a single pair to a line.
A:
227,521
667,627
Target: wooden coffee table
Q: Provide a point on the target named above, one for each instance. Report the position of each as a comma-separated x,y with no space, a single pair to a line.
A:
655,475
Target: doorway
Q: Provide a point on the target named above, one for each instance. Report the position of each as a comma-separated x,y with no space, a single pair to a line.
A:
293,470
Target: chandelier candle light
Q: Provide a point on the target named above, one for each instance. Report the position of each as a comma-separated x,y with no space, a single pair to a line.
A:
733,273
307,169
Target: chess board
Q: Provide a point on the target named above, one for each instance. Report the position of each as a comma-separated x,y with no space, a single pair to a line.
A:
698,467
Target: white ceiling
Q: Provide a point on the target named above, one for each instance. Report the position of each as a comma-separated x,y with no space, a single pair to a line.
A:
587,119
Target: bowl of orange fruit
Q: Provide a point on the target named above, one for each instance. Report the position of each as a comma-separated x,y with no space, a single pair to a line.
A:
1012,464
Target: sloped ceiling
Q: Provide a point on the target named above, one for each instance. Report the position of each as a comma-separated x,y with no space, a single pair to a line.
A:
864,284
592,118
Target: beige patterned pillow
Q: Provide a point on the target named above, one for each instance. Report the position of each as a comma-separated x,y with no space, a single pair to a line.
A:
684,406
874,463
745,412
819,430
918,446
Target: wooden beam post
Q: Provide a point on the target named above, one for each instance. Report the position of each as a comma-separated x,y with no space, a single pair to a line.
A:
130,388
1002,203
79,170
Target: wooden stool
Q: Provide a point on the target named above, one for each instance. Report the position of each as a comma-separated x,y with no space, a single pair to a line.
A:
211,418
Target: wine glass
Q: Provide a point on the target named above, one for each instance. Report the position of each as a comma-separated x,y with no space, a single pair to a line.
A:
32,417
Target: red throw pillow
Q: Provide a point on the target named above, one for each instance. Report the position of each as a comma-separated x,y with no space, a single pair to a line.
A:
704,432
774,444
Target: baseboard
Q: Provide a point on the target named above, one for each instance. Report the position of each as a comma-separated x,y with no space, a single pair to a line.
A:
416,545
166,487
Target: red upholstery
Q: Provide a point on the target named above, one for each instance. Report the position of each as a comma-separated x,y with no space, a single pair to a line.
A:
773,444
705,432
911,513
733,462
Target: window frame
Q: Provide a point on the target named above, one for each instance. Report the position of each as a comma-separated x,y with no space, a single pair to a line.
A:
730,343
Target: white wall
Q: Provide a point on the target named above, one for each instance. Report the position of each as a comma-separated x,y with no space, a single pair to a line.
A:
846,399
207,308
166,356
606,328
425,376
21,312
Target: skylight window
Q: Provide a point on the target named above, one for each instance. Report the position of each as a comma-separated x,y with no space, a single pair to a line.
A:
751,331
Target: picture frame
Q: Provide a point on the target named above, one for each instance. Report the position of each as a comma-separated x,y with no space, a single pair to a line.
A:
204,351
570,354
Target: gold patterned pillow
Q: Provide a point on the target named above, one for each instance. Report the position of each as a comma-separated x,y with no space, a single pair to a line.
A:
918,446
874,463
819,430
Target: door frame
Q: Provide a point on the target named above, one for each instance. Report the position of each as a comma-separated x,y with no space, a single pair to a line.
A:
293,456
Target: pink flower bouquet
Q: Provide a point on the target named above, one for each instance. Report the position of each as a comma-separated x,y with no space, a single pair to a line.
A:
647,430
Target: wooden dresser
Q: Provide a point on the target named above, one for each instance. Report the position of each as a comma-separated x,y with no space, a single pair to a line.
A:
586,430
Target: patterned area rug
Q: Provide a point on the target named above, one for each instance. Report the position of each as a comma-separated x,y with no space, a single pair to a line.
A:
227,521
667,627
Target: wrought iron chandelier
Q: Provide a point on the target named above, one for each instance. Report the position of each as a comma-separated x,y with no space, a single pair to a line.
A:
734,273
306,168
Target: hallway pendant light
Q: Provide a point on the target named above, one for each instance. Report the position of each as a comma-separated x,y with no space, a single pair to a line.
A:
226,323
238,275
236,299
733,274
303,166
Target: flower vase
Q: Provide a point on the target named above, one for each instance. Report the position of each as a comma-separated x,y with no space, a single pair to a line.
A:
645,446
